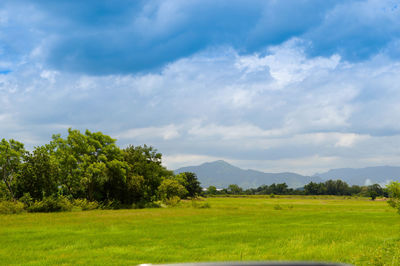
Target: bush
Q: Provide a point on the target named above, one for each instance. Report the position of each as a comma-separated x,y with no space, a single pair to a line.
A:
149,205
10,207
51,204
277,207
4,194
138,205
86,205
394,195
152,205
170,189
26,199
200,205
110,205
172,201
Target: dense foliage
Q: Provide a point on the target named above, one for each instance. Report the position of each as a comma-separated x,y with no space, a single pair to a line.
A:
88,167
394,194
89,170
330,187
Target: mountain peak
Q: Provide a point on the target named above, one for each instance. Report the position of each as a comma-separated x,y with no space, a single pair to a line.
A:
220,174
219,162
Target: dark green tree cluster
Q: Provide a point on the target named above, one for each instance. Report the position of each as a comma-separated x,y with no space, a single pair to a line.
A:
277,189
233,189
330,187
338,187
89,166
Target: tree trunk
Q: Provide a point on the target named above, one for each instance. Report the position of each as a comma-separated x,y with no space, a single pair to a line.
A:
8,185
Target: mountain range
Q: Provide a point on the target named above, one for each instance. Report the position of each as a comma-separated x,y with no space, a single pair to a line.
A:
222,174
363,176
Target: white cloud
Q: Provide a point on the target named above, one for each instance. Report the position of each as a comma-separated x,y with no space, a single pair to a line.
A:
241,131
271,112
288,63
348,140
368,182
181,160
166,133
49,75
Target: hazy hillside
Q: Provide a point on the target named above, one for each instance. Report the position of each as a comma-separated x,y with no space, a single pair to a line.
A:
222,174
363,176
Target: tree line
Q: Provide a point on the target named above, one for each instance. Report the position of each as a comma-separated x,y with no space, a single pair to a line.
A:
92,167
90,170
329,187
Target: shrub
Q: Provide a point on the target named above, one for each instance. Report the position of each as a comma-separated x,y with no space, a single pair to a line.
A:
204,205
170,189
86,205
26,199
110,205
152,205
277,207
200,205
142,205
51,204
10,207
172,201
138,205
394,195
4,195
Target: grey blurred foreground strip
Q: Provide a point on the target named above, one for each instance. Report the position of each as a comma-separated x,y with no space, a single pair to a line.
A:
269,263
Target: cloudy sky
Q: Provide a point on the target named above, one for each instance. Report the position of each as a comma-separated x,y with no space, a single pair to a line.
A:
301,86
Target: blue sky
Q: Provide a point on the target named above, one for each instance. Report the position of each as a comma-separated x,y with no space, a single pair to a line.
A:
301,86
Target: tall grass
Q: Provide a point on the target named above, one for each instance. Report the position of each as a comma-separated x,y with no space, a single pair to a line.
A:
356,231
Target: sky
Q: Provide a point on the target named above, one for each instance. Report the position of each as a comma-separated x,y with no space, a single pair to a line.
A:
300,86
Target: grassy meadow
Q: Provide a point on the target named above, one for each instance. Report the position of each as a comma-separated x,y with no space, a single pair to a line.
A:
335,229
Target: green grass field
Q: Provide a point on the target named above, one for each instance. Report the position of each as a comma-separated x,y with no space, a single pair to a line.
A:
356,231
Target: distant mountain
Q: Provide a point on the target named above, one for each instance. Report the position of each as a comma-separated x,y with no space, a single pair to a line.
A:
363,176
222,174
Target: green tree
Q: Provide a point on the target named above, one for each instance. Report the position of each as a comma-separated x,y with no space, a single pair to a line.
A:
91,164
117,182
11,154
280,189
374,191
39,174
354,189
191,183
337,187
144,161
212,190
88,165
234,189
170,188
69,166
394,195
311,188
135,189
